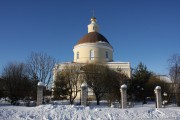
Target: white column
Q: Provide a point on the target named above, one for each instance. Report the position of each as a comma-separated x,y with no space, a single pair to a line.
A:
123,96
157,91
84,94
40,93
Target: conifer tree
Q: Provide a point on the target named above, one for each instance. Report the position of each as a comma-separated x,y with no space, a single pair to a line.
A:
140,77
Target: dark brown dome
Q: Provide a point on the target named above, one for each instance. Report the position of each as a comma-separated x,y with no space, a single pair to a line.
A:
92,37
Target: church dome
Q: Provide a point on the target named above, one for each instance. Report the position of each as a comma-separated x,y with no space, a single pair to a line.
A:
93,47
92,37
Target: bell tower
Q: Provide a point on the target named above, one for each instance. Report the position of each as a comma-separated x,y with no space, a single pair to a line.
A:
93,26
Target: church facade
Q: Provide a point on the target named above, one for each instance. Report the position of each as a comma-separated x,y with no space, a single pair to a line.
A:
93,47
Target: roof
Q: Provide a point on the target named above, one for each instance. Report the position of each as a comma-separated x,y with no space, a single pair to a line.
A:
92,37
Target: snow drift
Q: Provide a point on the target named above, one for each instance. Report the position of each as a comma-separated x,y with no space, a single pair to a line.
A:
71,112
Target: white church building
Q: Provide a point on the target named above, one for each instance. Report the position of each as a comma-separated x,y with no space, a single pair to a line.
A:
93,47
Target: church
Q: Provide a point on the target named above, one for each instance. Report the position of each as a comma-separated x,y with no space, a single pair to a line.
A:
93,47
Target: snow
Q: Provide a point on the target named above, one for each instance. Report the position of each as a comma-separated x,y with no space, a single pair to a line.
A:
158,88
40,84
73,112
123,86
84,84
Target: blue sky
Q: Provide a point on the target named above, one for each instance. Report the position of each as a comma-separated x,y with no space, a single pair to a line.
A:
145,31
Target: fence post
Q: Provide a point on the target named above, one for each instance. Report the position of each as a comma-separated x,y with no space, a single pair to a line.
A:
84,94
123,96
40,87
157,91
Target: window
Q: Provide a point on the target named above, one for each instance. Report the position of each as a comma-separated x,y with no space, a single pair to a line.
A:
77,55
107,56
91,54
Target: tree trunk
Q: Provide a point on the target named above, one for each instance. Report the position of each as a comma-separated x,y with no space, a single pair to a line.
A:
71,102
98,102
178,99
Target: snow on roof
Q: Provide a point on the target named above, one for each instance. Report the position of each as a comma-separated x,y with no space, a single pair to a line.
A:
118,62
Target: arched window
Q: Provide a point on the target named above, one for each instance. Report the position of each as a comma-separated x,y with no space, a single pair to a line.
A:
77,55
107,56
91,54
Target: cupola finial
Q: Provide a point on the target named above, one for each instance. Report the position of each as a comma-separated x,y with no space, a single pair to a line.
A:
93,13
93,26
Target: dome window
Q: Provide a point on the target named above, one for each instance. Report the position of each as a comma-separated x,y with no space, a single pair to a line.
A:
107,56
91,54
77,55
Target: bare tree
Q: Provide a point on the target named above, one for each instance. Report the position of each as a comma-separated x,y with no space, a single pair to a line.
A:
174,70
67,82
116,79
2,88
61,87
16,81
40,67
97,79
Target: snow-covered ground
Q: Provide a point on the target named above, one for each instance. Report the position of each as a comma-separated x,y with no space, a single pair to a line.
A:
72,112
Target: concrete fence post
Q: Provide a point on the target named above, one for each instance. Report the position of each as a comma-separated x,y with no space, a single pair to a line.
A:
52,91
157,91
84,94
123,96
40,93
